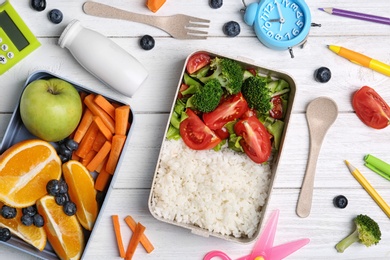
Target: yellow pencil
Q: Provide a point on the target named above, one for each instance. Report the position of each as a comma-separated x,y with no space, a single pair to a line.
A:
370,190
361,59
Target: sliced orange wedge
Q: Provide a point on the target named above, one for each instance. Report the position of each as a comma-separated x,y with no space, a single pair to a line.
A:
81,192
64,233
25,169
30,234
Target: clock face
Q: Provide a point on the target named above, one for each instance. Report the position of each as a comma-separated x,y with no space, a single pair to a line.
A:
281,24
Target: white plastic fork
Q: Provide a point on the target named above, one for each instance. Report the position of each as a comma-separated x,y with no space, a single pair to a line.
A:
179,26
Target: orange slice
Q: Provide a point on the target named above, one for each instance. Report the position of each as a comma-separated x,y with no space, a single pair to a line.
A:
25,169
30,234
81,192
64,233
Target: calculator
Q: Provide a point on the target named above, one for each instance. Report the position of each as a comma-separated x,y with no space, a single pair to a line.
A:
16,39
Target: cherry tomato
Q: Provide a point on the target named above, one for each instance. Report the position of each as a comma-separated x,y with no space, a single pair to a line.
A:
277,107
196,135
256,141
371,108
229,110
197,61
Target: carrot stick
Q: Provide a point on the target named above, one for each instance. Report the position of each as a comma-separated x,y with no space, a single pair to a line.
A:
88,157
99,157
102,127
87,142
134,241
154,5
103,103
121,119
102,165
97,111
99,141
118,235
102,180
83,126
144,240
117,143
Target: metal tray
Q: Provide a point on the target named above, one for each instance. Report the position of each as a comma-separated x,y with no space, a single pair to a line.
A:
17,132
246,63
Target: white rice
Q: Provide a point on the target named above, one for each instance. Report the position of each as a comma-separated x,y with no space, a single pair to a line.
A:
222,192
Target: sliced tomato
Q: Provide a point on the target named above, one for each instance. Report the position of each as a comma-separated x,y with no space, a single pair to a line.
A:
229,110
197,61
222,133
371,108
256,141
182,88
277,107
250,112
195,134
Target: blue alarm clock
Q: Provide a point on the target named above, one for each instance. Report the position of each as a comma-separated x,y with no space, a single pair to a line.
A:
279,24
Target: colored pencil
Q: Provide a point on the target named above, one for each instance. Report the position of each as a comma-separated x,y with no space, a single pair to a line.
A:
356,15
370,190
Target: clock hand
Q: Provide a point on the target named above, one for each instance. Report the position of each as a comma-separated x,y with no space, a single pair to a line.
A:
281,18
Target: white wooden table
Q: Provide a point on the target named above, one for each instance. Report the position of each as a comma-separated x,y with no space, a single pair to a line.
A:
348,138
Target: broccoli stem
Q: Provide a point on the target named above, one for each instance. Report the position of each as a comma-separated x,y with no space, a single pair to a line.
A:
346,242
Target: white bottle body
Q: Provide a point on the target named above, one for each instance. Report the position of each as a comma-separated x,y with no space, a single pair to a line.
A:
103,58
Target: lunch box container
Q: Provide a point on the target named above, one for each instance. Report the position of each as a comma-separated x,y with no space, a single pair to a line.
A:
17,132
246,63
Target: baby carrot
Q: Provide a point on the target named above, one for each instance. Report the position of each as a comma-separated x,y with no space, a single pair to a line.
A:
117,143
88,157
103,103
97,111
122,119
118,235
144,240
154,5
83,126
99,157
134,241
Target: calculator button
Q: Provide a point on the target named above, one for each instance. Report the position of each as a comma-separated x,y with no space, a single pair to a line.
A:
3,60
10,55
4,47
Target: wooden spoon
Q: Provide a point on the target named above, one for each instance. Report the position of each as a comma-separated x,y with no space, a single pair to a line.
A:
320,114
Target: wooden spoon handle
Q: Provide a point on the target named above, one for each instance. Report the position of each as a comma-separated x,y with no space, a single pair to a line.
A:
306,194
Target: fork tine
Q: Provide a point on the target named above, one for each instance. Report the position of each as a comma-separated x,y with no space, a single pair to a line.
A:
198,20
191,31
197,25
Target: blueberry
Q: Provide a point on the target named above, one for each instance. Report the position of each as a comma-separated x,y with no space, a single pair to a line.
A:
27,220
63,187
61,198
8,212
53,187
55,16
5,234
70,208
340,201
147,42
322,74
65,151
64,158
215,4
71,144
30,211
38,220
38,5
231,29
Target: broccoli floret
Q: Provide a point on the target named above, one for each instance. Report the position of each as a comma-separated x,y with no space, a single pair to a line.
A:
256,93
367,232
208,97
228,72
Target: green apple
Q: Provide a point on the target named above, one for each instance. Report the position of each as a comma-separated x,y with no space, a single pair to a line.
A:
50,109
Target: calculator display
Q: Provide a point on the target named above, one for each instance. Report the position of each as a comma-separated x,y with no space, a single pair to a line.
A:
12,31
